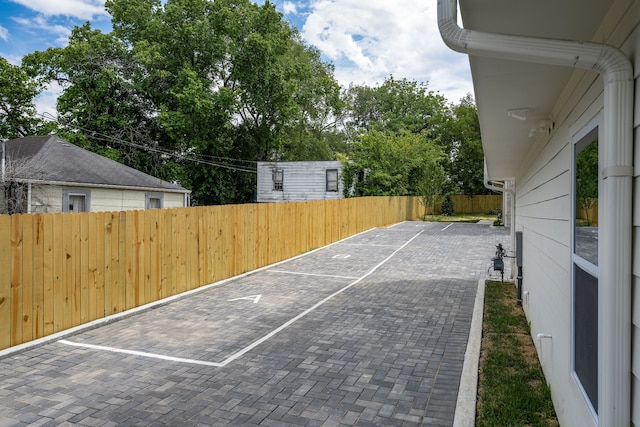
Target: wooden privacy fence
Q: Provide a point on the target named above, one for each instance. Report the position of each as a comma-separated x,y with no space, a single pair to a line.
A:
58,271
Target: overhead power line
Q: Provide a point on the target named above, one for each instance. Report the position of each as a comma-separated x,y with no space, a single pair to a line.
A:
189,157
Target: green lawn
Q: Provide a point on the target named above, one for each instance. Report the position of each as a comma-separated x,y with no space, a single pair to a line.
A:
512,390
459,218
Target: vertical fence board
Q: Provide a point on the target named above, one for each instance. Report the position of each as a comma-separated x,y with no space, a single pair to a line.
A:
139,248
181,234
47,275
203,260
58,259
86,290
164,246
5,281
193,261
68,276
149,225
121,255
131,257
96,264
38,277
111,272
174,260
16,279
27,284
76,269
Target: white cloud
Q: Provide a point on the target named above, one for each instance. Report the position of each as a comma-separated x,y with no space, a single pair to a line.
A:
369,40
41,24
81,9
4,33
46,102
289,8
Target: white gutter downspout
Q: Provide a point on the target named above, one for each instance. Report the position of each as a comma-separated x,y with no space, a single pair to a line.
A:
614,379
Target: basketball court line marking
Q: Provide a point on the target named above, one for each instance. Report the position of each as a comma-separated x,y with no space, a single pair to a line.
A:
254,344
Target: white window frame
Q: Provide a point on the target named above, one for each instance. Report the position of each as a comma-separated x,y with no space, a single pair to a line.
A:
587,131
66,192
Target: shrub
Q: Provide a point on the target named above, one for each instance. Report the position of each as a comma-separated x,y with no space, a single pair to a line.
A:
447,208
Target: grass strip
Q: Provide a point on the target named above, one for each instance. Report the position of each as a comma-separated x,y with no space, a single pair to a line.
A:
470,218
512,390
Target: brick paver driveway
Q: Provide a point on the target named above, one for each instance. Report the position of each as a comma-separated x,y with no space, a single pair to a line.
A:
369,331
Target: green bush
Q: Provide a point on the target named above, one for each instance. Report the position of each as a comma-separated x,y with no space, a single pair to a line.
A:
447,208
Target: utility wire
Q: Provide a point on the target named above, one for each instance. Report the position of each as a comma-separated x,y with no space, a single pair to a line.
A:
191,157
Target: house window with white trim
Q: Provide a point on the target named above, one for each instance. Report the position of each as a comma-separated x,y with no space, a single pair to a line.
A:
154,200
76,200
332,180
278,179
586,182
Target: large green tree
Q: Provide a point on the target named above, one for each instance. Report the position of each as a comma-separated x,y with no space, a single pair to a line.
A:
100,107
390,164
17,109
461,139
398,106
394,106
185,89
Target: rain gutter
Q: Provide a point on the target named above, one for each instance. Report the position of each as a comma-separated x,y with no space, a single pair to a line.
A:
614,379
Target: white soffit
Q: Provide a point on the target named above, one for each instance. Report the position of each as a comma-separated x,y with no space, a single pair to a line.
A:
507,92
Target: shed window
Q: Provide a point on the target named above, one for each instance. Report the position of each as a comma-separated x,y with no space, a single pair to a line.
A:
332,180
74,200
154,201
278,179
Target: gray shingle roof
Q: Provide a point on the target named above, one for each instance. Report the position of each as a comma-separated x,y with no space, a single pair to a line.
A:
50,159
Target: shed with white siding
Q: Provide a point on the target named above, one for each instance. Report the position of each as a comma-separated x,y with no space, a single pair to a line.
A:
299,181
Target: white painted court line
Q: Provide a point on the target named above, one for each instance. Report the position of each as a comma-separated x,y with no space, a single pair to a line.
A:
141,353
254,344
311,274
447,227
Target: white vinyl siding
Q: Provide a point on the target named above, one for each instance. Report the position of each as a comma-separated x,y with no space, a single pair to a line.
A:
49,198
301,181
544,214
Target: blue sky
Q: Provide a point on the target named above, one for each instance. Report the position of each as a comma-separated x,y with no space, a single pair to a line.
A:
366,40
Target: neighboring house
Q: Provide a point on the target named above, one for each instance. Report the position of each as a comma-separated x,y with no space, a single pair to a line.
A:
298,181
554,85
47,174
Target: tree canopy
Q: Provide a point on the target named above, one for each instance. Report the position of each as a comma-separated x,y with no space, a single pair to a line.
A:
197,92
406,140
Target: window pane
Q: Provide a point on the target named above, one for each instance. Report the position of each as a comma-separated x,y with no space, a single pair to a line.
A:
586,332
77,203
586,199
278,179
332,180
